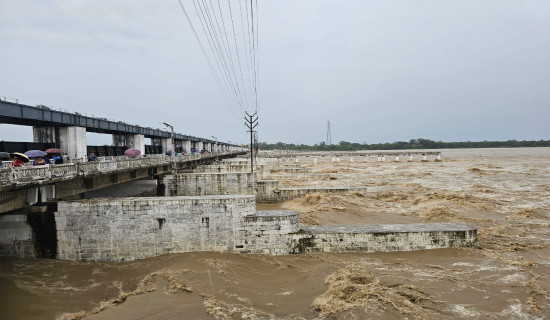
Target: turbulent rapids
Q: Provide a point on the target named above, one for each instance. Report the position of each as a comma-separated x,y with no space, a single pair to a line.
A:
504,192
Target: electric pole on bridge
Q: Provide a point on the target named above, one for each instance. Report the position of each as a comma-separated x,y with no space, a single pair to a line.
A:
251,123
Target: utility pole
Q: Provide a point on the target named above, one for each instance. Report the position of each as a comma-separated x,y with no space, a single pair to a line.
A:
251,123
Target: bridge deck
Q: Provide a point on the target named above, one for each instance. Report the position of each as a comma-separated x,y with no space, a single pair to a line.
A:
11,178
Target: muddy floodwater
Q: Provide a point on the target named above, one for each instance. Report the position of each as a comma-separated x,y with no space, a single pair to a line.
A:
504,192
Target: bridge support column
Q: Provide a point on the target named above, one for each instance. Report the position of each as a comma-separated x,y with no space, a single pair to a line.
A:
132,141
198,146
45,134
72,140
186,145
165,143
179,145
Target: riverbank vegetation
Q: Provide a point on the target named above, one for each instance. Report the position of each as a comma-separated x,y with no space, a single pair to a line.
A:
400,145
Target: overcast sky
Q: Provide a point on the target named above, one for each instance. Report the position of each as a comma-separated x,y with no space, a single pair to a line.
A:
379,71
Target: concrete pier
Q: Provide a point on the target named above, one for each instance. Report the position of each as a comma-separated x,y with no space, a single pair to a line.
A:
268,191
199,184
386,237
136,228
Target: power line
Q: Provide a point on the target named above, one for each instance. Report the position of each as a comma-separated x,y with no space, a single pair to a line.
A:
230,54
214,74
237,51
238,80
211,36
227,60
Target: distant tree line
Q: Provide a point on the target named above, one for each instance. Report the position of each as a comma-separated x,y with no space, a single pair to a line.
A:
399,145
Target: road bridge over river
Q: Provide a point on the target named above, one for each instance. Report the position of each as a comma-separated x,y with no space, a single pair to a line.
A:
28,185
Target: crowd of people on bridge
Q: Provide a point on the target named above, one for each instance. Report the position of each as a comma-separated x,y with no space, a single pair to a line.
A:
19,159
40,158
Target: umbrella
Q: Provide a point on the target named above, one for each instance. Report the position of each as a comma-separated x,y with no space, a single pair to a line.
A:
132,153
35,153
23,157
54,150
4,156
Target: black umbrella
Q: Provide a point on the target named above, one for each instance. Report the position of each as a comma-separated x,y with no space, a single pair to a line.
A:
4,156
23,157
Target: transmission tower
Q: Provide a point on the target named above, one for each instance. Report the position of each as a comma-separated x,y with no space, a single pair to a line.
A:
329,137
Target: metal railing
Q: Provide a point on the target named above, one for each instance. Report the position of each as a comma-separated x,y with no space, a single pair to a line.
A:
32,174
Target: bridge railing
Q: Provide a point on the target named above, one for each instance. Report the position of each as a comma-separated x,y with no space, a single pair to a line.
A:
29,174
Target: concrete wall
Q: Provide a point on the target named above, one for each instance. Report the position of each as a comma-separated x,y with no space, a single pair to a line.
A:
196,184
137,228
137,188
269,232
221,168
268,191
301,177
16,236
384,238
292,170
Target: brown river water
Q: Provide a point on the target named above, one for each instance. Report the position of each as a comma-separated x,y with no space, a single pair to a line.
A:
504,192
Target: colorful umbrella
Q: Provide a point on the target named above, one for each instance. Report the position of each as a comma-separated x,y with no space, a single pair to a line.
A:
23,157
132,153
54,150
35,153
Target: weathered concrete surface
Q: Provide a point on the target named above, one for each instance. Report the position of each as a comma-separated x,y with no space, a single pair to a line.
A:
16,236
198,184
268,232
268,191
301,177
17,185
137,228
385,238
292,170
136,188
224,167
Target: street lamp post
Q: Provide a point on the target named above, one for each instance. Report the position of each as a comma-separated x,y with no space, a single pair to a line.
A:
173,150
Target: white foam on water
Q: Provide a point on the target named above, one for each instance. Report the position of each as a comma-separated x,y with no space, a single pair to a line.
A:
463,312
513,278
515,311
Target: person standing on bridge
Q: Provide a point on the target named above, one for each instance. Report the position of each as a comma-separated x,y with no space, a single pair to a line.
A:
17,162
41,161
92,156
57,159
